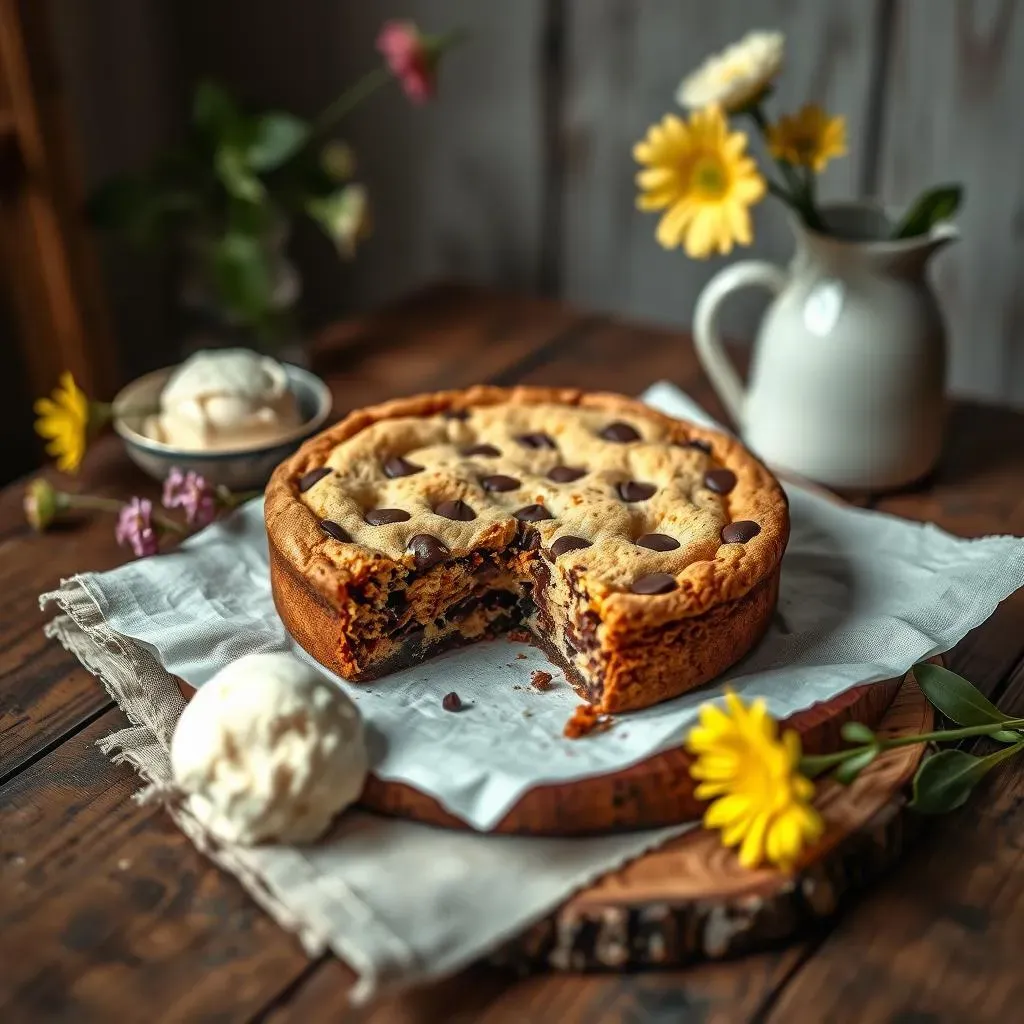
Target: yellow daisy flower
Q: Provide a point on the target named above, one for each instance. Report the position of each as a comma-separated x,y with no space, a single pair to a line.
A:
760,801
64,421
809,138
699,174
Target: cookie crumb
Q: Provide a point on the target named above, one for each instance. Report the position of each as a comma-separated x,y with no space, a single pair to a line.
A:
520,656
540,680
586,719
520,635
452,702
527,713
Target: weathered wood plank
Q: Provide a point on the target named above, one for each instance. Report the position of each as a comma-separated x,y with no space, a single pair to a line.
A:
722,992
625,60
69,815
938,941
976,488
123,918
615,356
955,76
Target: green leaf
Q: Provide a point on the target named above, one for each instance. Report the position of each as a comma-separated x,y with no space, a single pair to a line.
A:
937,204
959,700
854,765
236,176
813,765
945,780
244,218
1007,736
214,111
278,137
241,272
856,732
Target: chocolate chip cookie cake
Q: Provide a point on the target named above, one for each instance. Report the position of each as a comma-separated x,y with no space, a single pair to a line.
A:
641,552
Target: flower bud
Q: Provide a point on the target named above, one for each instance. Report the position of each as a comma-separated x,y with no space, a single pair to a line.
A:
43,503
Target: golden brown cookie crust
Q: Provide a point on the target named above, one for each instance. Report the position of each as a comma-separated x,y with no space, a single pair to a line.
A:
653,646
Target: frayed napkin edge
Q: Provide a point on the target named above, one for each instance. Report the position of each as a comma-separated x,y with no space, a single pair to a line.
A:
119,663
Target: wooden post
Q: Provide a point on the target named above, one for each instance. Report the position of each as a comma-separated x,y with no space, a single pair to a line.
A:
49,268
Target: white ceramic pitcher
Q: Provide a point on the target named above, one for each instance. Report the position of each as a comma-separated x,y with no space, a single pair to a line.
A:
847,380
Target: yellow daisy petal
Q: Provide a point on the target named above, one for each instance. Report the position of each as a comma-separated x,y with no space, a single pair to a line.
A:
727,810
758,799
698,171
63,419
655,178
752,845
672,227
653,201
808,138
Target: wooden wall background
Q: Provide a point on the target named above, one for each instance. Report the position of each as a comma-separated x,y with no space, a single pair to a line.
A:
521,175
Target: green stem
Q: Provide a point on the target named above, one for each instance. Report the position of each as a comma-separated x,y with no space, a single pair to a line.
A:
949,735
170,525
788,171
231,500
780,193
95,503
816,763
377,79
810,183
349,100
799,196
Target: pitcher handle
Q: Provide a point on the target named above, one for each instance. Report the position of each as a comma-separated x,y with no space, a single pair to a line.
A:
710,350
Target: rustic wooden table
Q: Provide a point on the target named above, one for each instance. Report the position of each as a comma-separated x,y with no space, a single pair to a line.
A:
108,913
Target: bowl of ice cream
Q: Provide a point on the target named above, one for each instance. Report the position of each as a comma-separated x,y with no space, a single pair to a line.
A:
229,414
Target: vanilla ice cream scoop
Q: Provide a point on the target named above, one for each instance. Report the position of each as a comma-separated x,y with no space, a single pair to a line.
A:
269,750
225,399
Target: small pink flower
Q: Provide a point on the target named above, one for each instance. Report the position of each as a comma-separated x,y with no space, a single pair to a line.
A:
191,492
410,58
135,527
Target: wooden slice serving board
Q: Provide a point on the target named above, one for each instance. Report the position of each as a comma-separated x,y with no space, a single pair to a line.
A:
691,900
655,792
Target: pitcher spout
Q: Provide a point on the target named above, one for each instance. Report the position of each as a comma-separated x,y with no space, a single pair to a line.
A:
910,256
941,235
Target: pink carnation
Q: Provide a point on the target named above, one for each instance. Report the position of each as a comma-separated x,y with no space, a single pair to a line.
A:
410,59
135,527
191,492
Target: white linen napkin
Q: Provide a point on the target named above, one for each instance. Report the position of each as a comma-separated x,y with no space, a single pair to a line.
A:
864,596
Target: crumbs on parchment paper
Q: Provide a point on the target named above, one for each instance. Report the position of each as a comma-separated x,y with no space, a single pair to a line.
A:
540,680
586,719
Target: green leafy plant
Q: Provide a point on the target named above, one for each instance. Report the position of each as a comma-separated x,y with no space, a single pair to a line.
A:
228,188
946,778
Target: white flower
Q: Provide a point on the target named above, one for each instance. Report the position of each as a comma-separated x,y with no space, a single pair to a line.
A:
737,75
